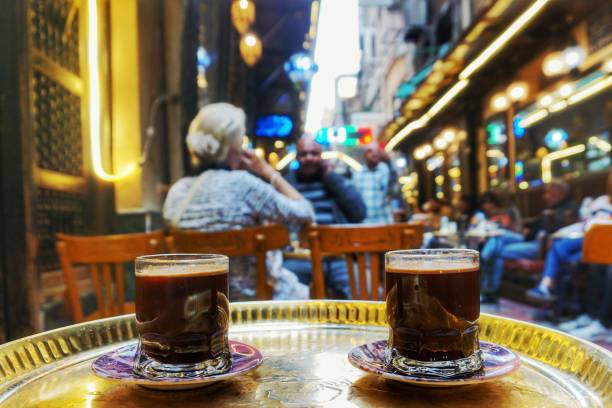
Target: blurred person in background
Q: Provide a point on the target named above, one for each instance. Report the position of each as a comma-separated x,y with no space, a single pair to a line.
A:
335,201
374,184
566,248
507,222
222,194
561,211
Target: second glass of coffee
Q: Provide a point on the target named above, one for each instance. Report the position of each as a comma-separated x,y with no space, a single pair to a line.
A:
182,315
433,306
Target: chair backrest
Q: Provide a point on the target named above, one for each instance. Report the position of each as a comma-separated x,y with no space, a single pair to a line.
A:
357,242
597,243
103,255
254,241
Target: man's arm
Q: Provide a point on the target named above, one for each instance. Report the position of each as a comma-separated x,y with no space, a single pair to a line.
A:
346,196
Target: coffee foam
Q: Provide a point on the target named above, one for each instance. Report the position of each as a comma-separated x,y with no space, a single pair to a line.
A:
173,271
432,268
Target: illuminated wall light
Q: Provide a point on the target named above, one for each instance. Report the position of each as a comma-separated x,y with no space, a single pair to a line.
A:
448,135
493,168
566,90
454,172
607,66
260,152
282,163
457,188
561,154
418,154
439,195
439,180
499,43
440,144
556,107
553,64
590,90
601,144
545,101
94,99
499,102
401,162
523,185
518,91
495,154
427,149
573,56
279,144
533,118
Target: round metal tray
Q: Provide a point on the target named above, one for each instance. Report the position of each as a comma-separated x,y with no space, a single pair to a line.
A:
305,346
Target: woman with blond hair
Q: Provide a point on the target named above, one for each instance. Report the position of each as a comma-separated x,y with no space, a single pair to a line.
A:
231,189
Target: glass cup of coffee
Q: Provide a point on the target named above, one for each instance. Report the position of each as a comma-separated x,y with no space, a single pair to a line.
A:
182,315
433,306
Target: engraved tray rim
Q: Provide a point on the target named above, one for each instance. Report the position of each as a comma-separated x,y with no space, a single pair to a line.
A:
29,358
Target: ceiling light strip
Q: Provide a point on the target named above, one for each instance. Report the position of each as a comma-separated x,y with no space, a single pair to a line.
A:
423,120
498,44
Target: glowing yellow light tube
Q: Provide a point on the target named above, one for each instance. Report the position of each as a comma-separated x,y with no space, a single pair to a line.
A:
601,144
422,121
498,44
447,97
561,154
533,118
352,163
282,163
590,90
94,99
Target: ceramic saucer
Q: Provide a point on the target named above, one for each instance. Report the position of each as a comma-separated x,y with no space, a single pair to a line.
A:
498,362
117,365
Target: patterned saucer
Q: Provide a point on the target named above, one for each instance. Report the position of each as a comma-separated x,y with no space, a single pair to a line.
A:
117,365
498,362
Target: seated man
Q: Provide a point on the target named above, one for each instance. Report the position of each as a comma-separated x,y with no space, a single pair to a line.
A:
561,211
335,201
567,247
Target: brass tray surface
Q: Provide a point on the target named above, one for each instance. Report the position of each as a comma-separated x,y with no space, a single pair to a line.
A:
305,346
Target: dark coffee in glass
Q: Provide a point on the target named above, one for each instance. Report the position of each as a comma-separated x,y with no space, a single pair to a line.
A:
433,306
182,315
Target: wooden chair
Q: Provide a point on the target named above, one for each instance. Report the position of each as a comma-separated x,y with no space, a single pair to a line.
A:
597,243
357,241
103,255
245,242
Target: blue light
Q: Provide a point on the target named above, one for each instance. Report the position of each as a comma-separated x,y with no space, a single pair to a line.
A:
203,59
300,67
555,138
294,165
519,170
274,126
519,131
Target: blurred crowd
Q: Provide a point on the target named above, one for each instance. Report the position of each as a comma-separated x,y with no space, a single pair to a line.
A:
233,188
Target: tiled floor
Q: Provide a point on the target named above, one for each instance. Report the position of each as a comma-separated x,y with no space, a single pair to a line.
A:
520,311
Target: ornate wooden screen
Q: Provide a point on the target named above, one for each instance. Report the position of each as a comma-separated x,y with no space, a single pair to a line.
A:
58,127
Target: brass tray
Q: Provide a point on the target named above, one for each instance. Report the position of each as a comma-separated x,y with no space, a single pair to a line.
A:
305,344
